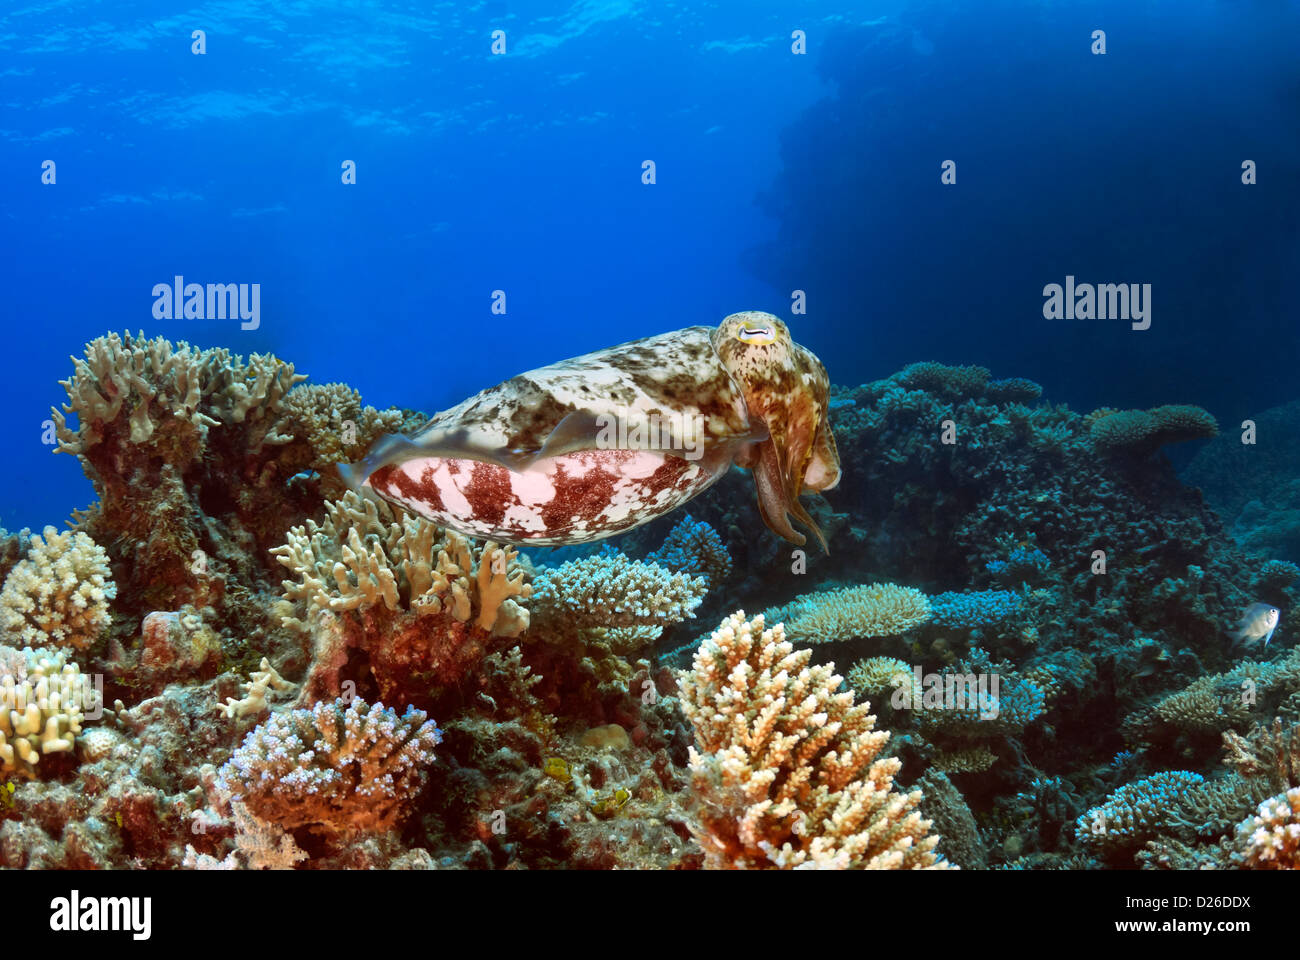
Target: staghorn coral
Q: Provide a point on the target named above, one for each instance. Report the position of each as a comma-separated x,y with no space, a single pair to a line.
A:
421,603
59,594
789,773
609,597
340,768
874,610
258,846
1139,433
43,702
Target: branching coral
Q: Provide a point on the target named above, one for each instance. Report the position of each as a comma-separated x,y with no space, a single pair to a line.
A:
694,548
623,602
340,769
201,462
260,683
1134,813
422,602
876,678
977,608
966,703
43,701
874,610
1223,701
1142,432
788,772
59,594
335,423
1270,840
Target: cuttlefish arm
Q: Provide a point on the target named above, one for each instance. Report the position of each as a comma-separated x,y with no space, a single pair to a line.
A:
786,389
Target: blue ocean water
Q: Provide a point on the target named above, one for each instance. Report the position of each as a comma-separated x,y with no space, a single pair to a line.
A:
522,171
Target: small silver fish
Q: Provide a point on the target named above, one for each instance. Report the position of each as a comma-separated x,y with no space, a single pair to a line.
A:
1259,620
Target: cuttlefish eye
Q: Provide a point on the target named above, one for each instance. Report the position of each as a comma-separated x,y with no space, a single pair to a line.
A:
757,334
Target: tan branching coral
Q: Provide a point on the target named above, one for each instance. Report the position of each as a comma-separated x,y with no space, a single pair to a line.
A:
624,602
333,420
877,678
423,603
1270,840
59,594
361,556
43,702
788,772
261,682
872,610
150,381
1225,701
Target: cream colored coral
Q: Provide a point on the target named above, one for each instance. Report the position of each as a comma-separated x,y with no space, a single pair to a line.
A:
874,610
150,380
788,772
322,413
260,683
43,712
881,676
362,557
1270,840
59,594
611,597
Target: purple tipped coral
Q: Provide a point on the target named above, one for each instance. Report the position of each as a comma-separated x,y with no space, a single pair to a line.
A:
337,768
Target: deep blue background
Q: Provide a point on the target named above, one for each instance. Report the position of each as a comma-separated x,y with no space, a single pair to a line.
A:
775,172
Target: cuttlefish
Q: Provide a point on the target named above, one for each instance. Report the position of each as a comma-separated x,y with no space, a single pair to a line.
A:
593,446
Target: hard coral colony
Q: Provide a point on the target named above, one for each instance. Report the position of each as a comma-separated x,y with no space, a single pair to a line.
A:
1017,656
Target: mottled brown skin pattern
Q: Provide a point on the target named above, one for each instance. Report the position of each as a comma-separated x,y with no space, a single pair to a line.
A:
787,389
677,371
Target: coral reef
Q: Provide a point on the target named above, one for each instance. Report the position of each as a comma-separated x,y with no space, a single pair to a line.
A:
250,609
693,547
1134,813
1270,840
788,772
609,597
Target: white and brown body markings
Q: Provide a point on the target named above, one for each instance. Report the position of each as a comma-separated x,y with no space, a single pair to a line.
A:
562,455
